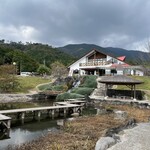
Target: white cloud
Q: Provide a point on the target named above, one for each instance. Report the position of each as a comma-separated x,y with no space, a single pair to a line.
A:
119,23
21,33
114,40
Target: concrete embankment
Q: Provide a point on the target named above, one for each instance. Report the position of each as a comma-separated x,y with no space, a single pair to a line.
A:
136,138
5,98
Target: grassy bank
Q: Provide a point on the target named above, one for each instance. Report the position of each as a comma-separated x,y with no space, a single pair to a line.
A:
17,105
30,82
145,86
82,133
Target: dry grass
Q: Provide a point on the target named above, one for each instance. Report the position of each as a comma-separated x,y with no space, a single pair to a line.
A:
141,115
82,133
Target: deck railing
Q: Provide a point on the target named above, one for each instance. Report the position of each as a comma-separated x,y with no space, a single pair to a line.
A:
94,63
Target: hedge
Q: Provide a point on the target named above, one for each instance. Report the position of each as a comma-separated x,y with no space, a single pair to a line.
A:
89,81
82,90
66,95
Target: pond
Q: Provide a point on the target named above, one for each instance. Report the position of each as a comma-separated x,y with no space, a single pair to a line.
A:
28,132
32,129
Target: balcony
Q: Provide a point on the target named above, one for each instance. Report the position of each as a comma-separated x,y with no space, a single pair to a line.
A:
93,62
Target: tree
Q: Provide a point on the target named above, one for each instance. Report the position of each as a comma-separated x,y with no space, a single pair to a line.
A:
58,70
8,80
43,70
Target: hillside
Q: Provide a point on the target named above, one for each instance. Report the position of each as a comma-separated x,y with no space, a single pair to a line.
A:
29,56
132,56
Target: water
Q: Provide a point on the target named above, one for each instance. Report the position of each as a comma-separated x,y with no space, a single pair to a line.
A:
32,130
28,132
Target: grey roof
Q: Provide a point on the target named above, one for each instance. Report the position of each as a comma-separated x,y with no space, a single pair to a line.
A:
119,79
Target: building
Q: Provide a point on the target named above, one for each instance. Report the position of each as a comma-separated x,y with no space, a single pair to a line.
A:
98,63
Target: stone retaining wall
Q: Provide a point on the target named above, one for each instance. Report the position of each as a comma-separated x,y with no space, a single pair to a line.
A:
5,98
135,103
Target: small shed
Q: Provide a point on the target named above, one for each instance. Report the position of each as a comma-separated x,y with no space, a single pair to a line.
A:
120,80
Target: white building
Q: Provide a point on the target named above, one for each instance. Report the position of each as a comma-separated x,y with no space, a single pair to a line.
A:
98,63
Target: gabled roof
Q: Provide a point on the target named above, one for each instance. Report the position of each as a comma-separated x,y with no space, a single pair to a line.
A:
122,58
93,50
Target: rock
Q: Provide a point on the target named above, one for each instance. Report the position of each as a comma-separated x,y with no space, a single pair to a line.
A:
75,114
104,143
101,111
61,122
120,115
130,124
136,138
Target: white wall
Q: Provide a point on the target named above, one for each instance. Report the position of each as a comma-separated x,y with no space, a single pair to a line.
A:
119,72
139,73
75,66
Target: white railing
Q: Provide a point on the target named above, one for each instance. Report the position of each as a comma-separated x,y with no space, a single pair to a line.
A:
94,63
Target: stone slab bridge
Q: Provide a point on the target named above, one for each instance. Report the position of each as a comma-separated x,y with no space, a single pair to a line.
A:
68,107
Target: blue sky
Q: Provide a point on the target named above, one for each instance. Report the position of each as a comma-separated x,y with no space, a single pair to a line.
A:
116,23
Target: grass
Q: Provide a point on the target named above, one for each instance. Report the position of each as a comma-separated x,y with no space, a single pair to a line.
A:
89,81
29,83
44,87
66,95
82,90
86,87
17,105
145,86
82,133
50,87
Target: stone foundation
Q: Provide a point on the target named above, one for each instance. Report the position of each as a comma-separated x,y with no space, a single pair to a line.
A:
138,104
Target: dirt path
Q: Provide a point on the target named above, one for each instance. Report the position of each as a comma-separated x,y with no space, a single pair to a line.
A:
36,89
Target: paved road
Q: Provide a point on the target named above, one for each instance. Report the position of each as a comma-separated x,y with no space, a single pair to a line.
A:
137,138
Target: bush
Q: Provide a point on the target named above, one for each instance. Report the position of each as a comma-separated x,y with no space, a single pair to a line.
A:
53,88
60,88
82,90
89,81
66,95
45,87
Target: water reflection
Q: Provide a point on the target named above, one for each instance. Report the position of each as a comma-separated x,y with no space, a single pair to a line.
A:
27,133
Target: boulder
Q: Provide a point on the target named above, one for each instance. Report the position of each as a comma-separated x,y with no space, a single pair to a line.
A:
75,115
104,143
120,115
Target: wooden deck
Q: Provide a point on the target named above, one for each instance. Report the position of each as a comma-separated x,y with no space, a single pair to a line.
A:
77,102
59,107
38,109
3,117
5,121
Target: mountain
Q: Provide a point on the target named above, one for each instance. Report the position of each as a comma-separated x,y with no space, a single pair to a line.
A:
30,55
132,56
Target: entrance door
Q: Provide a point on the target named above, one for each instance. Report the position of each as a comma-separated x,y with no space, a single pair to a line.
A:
101,72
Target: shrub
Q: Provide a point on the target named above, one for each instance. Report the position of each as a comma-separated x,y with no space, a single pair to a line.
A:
66,95
89,81
45,87
60,88
82,90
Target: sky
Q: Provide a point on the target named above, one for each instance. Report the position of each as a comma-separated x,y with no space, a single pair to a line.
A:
107,23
